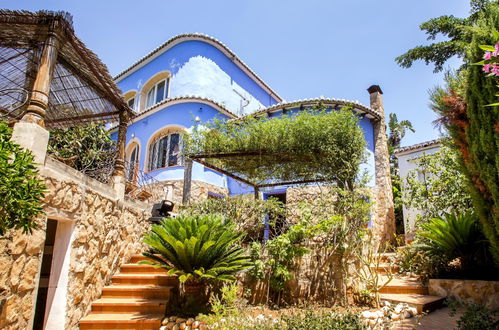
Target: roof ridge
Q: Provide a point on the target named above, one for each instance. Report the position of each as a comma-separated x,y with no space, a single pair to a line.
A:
418,145
201,36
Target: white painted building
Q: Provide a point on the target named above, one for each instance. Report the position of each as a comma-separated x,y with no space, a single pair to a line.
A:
407,159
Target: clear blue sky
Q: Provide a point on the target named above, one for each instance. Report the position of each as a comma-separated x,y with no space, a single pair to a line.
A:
302,49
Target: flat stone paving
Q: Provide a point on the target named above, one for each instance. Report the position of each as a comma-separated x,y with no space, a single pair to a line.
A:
437,320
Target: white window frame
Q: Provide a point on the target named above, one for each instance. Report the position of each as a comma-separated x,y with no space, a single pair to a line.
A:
134,98
153,156
154,91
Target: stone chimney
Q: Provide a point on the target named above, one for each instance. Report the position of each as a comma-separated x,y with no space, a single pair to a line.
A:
383,224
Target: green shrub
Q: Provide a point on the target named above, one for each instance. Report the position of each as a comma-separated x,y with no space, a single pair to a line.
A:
197,248
319,321
21,191
454,236
89,149
245,213
475,316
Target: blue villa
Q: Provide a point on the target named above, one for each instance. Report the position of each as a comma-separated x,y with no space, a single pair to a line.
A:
192,79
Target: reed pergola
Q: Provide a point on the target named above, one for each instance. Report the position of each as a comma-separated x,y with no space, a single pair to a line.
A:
49,77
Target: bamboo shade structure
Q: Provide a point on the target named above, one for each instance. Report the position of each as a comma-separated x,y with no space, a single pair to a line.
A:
81,89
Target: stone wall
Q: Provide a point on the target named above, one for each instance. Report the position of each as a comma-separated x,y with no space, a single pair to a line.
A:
105,232
173,189
317,278
482,292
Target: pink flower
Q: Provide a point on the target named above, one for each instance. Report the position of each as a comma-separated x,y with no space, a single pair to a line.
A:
486,68
487,56
497,47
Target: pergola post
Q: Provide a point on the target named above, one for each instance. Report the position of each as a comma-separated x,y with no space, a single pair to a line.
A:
30,132
118,176
384,222
186,193
256,191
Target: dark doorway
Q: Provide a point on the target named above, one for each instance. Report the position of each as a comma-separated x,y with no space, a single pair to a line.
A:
41,299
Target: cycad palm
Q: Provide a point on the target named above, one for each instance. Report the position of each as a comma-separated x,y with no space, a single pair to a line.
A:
197,247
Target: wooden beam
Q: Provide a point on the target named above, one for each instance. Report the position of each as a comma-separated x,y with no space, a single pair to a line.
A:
235,177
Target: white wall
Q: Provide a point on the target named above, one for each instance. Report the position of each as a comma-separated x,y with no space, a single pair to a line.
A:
408,162
201,76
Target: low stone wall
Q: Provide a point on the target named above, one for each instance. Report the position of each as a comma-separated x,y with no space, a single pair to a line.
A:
101,232
317,278
482,292
173,189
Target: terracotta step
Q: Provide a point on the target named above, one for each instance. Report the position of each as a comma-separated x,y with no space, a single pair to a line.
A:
423,303
136,258
144,279
137,291
122,321
387,256
385,267
137,268
403,286
129,305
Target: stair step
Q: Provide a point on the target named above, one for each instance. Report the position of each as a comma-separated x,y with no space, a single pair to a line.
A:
387,256
385,267
403,285
136,258
137,291
423,303
138,268
128,305
144,278
122,321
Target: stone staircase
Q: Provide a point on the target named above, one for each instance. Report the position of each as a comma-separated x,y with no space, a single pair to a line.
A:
403,289
136,299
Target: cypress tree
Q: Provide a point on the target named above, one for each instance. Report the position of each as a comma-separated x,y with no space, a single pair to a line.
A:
481,138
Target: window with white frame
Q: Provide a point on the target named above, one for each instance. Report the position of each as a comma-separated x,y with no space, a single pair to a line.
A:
165,151
131,103
157,93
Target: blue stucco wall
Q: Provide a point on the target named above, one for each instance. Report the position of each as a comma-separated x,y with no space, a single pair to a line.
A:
183,115
174,58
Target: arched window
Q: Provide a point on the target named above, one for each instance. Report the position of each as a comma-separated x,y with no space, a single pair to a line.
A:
131,98
165,151
157,93
133,164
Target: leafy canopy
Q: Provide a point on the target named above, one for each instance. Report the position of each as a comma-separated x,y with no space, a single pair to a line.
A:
459,33
314,144
197,248
437,185
21,191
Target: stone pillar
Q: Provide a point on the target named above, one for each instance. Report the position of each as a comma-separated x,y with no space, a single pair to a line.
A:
30,133
383,225
186,193
118,177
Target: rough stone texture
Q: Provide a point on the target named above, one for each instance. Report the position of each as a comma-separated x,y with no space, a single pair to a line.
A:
172,190
317,278
383,224
107,231
483,292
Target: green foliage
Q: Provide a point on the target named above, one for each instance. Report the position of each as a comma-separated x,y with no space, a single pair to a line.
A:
437,185
454,236
481,162
21,191
413,259
325,320
459,31
227,303
246,213
199,247
334,220
312,144
475,316
89,149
